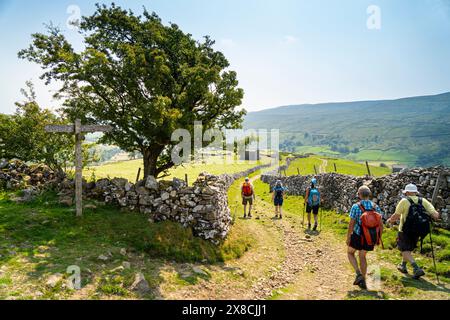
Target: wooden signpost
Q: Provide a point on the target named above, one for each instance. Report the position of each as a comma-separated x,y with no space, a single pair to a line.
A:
79,131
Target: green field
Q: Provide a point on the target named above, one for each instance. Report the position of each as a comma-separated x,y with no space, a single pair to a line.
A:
306,167
379,155
355,169
129,169
316,150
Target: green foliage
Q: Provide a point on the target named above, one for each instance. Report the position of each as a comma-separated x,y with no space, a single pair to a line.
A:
143,78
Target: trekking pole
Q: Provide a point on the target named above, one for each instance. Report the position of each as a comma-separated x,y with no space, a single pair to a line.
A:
320,220
432,254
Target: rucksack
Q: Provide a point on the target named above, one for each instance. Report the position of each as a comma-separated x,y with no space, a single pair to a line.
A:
371,226
314,197
417,223
247,189
278,192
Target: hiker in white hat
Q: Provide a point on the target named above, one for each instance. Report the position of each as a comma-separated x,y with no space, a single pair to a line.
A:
414,213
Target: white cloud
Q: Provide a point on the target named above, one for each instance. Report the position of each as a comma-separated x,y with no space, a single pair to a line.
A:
289,39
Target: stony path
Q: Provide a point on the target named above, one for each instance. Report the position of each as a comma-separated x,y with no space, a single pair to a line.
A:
314,268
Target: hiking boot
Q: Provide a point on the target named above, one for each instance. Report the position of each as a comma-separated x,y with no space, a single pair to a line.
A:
363,285
309,226
315,227
418,273
359,278
402,268
245,216
250,216
281,217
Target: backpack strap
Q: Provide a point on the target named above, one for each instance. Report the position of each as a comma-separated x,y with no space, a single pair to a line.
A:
411,202
361,207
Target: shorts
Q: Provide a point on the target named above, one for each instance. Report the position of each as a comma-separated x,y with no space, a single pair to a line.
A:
247,200
406,242
357,244
278,202
314,209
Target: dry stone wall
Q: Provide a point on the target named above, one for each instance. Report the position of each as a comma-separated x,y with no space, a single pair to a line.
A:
339,191
202,207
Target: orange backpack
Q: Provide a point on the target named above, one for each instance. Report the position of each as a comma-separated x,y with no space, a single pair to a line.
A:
371,226
247,189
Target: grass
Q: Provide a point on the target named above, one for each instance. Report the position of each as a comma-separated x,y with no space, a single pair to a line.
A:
406,286
379,155
42,238
316,150
305,165
129,169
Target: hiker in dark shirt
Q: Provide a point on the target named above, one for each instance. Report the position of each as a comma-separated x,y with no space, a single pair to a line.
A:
278,193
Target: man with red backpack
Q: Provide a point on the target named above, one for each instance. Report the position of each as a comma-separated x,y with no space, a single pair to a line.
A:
364,232
248,195
414,214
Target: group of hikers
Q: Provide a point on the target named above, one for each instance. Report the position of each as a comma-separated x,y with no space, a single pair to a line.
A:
365,229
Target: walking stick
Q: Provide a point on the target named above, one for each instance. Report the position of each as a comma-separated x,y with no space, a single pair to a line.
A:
432,254
320,220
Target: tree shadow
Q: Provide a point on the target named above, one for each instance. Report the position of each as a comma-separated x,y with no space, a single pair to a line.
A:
423,284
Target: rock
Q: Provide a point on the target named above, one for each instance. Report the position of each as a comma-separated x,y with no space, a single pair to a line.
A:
151,183
199,271
3,163
90,207
66,201
103,257
126,265
165,196
119,182
123,251
140,285
53,280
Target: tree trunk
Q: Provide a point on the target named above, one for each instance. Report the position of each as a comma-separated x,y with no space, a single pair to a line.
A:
151,155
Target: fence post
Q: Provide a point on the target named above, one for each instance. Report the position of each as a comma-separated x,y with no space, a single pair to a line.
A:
186,179
138,175
315,169
368,169
335,168
298,171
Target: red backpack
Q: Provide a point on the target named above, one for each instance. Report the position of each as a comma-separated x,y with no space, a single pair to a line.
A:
371,226
247,189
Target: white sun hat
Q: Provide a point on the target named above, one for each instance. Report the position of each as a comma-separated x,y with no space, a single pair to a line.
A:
411,188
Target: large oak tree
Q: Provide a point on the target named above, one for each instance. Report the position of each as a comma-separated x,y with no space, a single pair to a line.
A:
142,77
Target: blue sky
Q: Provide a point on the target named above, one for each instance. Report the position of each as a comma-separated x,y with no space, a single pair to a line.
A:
284,51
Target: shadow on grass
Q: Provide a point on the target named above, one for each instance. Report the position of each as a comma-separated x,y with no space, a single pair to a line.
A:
42,238
423,284
366,295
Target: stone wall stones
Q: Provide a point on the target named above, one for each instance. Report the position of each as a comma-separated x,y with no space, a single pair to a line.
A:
339,191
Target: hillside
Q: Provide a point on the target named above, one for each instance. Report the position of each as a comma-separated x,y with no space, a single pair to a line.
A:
412,131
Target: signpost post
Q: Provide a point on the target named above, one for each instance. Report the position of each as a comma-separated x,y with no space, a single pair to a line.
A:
79,131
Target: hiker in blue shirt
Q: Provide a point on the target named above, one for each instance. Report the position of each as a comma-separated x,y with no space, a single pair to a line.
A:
312,202
278,193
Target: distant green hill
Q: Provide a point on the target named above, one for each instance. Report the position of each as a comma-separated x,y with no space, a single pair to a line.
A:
413,131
